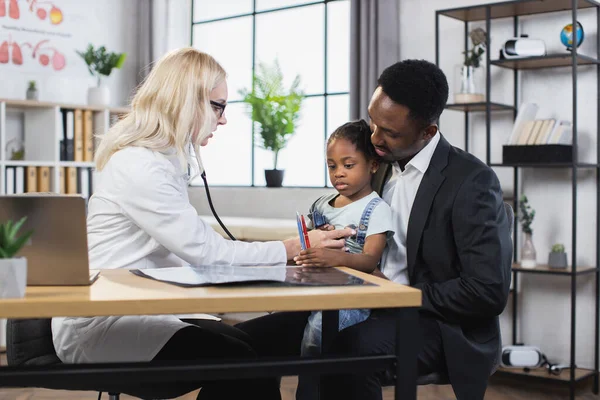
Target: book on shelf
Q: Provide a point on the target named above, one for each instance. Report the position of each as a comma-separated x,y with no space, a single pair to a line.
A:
88,136
526,113
31,180
43,179
78,136
67,141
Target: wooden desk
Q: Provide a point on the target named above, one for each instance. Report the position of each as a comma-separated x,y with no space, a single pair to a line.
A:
119,292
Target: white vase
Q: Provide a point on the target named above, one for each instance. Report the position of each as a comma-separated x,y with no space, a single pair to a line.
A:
98,96
13,277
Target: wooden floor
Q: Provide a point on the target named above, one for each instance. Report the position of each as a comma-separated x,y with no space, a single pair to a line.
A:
496,391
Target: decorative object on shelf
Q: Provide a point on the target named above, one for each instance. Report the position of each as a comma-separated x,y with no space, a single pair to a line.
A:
469,90
32,92
521,47
13,270
526,215
100,63
15,150
557,258
276,111
566,36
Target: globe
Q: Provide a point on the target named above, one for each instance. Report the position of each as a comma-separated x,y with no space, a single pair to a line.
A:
566,36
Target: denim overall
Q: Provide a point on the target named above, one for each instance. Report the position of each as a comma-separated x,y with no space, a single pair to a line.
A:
311,344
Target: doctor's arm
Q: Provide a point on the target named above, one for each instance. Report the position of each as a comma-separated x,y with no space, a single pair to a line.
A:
484,250
158,204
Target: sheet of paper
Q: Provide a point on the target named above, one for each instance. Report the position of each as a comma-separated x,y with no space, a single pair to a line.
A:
206,275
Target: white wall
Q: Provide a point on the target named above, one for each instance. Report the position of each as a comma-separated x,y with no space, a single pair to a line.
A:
544,301
112,23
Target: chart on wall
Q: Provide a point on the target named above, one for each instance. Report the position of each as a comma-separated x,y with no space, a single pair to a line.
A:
40,37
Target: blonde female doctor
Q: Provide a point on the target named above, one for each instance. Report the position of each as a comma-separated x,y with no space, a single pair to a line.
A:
140,217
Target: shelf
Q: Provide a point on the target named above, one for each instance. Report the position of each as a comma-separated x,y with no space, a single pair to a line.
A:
542,373
534,165
11,163
33,104
79,164
467,107
512,9
546,165
544,269
548,61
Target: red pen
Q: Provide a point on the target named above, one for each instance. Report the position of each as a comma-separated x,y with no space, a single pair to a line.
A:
305,232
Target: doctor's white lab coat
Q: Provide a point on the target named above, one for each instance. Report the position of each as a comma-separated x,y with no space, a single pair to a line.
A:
140,217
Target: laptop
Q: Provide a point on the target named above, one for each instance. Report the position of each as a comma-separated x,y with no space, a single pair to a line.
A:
57,252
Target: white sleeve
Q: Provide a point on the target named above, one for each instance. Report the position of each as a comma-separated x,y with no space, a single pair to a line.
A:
381,220
153,199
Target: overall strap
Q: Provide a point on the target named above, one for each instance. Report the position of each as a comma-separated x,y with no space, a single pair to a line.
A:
364,220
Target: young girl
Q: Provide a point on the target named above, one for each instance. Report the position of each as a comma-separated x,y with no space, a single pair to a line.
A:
352,161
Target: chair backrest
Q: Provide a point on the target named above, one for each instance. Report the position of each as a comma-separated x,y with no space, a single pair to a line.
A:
511,216
29,342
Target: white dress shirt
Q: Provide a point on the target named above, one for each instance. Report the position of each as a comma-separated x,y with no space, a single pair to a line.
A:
400,192
140,217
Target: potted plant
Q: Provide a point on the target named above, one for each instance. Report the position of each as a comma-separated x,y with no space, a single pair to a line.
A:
469,92
100,63
526,215
32,92
13,270
557,258
275,112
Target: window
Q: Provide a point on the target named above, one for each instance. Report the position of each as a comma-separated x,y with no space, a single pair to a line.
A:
309,38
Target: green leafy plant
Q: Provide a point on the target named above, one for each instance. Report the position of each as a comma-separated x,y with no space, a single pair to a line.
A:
100,62
526,214
275,109
10,244
473,56
558,248
32,85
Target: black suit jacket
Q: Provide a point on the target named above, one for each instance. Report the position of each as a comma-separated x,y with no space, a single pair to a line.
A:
459,253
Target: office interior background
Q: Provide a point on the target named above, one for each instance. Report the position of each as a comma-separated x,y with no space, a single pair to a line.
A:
313,39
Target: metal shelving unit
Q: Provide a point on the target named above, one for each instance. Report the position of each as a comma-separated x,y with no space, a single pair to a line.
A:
514,10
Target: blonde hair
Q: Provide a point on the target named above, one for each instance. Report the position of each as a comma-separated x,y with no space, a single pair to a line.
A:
169,106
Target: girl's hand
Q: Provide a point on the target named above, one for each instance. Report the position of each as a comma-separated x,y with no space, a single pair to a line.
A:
331,239
318,257
326,227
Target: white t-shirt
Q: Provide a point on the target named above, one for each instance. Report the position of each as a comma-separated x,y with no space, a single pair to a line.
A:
380,220
140,216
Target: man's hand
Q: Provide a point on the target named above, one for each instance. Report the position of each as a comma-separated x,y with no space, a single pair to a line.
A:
318,257
326,227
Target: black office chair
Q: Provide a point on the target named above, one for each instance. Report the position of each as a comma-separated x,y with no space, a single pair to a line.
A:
29,343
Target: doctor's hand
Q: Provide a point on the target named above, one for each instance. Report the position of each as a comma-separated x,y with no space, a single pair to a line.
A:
334,239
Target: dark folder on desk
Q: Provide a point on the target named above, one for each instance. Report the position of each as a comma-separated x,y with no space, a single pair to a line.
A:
195,276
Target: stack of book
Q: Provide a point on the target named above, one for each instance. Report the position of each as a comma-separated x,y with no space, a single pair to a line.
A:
538,140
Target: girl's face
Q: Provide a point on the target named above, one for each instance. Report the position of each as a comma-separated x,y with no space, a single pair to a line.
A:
349,170
217,96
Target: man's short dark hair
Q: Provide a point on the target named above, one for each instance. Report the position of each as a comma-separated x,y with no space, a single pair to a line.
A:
419,85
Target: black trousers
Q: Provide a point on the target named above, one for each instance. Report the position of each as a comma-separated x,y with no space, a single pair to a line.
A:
209,340
281,334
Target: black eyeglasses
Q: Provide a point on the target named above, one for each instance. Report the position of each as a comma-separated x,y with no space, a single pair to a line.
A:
218,107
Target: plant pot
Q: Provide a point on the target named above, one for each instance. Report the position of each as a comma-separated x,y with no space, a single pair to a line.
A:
528,253
470,87
31,94
274,177
557,260
98,96
13,277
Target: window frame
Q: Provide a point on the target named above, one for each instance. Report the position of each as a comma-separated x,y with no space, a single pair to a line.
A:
326,94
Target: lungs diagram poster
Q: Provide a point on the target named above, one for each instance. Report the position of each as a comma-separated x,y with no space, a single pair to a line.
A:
39,36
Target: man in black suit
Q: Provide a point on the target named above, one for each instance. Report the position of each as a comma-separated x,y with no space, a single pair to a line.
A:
451,241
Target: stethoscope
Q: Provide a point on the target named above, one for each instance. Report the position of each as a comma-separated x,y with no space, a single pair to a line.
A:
212,208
